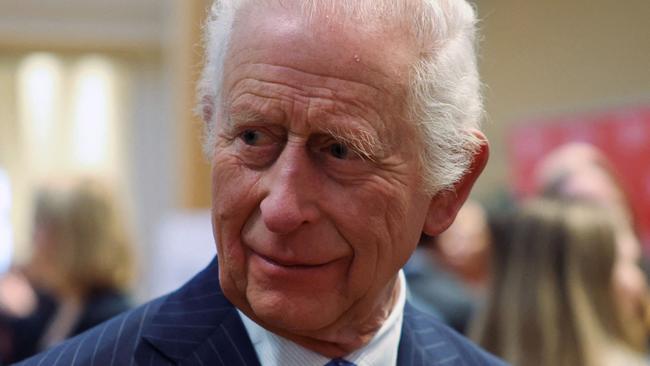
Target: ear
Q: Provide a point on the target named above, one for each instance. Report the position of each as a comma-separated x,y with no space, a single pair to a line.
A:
207,108
445,204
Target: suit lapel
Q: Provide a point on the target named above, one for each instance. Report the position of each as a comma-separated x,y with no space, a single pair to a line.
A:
197,325
228,345
421,343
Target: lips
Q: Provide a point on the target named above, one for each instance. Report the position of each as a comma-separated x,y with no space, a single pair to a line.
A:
291,263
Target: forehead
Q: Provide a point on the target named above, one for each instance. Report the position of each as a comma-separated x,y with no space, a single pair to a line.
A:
339,65
320,44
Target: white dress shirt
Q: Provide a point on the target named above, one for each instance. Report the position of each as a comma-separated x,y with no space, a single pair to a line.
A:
273,350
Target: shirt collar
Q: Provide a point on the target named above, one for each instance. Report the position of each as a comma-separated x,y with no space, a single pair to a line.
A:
273,350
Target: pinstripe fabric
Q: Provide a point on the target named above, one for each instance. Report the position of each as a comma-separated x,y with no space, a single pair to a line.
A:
111,343
427,342
196,325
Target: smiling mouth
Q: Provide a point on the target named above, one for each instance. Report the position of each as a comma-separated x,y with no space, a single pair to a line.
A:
291,265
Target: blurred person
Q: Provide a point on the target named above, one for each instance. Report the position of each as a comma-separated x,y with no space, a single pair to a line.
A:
338,132
465,246
447,274
553,295
78,274
581,171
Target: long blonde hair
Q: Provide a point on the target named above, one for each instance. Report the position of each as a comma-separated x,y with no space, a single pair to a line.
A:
88,246
552,300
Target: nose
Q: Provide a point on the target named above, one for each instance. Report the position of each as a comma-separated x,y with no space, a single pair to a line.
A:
292,188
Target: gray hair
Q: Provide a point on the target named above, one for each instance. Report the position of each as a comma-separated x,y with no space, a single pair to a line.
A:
444,88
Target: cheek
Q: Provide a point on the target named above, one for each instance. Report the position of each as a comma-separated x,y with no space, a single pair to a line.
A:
383,226
629,282
232,188
233,201
404,218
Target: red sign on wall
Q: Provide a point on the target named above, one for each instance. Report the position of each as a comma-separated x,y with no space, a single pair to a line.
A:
622,135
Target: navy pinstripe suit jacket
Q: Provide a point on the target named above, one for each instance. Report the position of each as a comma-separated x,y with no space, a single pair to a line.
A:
196,325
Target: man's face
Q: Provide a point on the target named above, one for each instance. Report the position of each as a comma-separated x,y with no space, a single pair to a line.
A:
317,196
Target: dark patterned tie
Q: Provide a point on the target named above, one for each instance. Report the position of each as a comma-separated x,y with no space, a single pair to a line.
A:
339,362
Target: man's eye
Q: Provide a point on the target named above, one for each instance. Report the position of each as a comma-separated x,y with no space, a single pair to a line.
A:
251,137
339,151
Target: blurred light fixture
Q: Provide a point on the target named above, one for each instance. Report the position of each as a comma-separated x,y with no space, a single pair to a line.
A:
93,112
39,86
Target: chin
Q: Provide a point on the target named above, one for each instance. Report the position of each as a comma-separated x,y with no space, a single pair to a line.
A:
299,314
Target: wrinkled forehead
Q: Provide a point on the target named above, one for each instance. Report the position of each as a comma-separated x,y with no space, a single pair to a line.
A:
366,37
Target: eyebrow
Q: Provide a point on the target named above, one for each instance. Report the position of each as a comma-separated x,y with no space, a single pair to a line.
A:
363,142
241,117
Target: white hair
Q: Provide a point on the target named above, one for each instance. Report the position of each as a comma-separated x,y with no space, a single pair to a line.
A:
444,89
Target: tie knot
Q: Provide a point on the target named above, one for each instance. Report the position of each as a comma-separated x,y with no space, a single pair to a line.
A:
339,362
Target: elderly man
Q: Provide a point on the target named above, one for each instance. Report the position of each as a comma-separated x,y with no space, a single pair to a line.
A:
339,131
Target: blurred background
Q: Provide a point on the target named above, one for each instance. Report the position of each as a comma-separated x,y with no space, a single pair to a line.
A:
106,88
